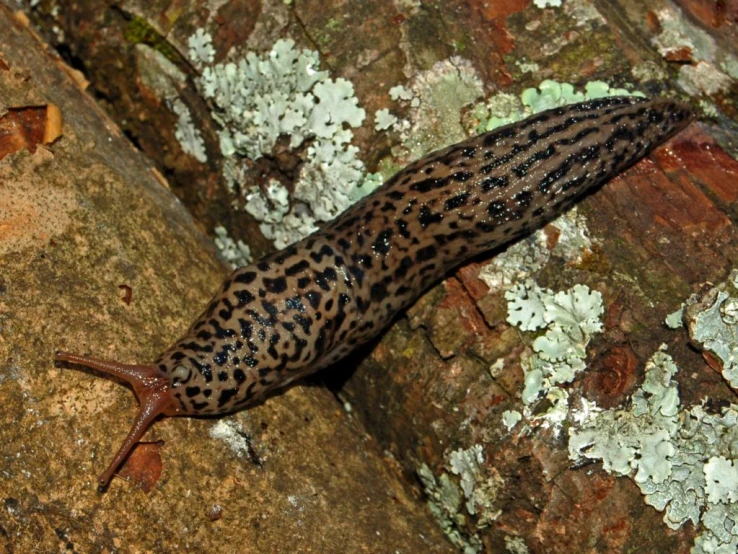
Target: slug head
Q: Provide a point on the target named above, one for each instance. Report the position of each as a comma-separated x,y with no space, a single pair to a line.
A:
153,390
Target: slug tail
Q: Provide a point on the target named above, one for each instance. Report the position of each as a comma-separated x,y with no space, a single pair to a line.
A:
152,389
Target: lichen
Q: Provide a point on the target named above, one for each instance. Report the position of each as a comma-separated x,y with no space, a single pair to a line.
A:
703,78
683,461
466,488
164,79
516,545
730,65
504,108
258,99
201,49
238,254
527,256
678,34
682,39
582,12
712,320
383,120
436,98
569,319
510,418
188,136
271,207
399,92
675,319
444,500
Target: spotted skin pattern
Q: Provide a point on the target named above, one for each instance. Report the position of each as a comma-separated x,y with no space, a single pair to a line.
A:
308,305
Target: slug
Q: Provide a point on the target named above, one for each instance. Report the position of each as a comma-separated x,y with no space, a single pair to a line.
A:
308,305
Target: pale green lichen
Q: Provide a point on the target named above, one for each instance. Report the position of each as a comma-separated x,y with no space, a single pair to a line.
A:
188,136
547,3
682,460
708,109
164,79
703,78
583,12
516,545
569,319
237,253
503,108
436,98
721,477
674,319
527,67
445,500
466,488
635,440
527,256
648,71
399,92
730,65
678,36
383,120
201,49
258,99
271,208
712,320
510,418
517,263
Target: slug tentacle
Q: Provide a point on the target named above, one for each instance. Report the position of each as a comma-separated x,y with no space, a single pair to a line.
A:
152,390
310,304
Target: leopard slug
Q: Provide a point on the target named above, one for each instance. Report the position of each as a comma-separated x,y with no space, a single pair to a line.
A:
308,305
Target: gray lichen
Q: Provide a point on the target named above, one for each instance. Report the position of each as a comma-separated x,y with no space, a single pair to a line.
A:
257,99
569,319
466,489
712,320
682,460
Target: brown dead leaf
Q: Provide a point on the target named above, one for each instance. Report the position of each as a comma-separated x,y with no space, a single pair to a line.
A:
143,466
27,127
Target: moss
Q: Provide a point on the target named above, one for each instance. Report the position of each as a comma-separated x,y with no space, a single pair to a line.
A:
595,261
388,167
138,31
599,45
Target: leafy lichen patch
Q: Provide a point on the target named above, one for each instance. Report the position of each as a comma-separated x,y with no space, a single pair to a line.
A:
683,461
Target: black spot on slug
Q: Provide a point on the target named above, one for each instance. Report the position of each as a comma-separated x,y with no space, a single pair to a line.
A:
456,202
245,278
426,217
